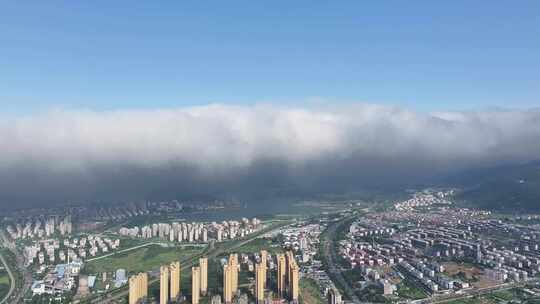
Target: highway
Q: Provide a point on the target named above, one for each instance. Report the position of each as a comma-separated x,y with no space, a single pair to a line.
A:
477,292
330,255
27,276
11,279
133,248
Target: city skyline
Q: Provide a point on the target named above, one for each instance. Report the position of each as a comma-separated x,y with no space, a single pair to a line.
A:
270,152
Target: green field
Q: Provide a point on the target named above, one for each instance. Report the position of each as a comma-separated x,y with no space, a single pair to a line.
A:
309,292
142,259
501,296
407,290
4,278
505,295
468,301
150,258
4,283
353,275
259,244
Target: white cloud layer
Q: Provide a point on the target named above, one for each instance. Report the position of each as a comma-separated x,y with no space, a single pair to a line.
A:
225,138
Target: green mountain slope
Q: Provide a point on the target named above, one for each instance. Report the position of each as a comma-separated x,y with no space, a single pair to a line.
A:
511,188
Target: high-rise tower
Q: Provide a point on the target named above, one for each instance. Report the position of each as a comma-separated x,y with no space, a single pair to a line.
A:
164,285
138,288
133,290
293,283
227,281
259,283
195,285
264,258
281,275
203,264
175,280
292,277
233,264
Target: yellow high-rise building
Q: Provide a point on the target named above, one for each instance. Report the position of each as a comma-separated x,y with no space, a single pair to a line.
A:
289,259
292,277
175,280
138,288
281,275
195,285
264,258
233,264
203,264
164,285
227,284
259,283
143,284
293,283
133,291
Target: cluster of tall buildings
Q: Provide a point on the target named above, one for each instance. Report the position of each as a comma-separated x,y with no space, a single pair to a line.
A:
199,280
287,277
170,282
138,288
40,228
194,232
175,232
170,285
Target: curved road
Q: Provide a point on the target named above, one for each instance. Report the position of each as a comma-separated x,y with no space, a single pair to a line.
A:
133,248
26,275
11,279
330,254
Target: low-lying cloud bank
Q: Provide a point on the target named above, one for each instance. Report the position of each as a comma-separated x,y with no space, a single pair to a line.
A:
86,155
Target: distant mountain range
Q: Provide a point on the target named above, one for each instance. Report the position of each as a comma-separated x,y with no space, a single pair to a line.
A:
510,188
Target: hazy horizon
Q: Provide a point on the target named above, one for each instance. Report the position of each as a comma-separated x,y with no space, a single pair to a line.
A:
125,101
84,156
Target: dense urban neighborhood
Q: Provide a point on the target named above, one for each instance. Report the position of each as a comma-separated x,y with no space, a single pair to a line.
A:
425,248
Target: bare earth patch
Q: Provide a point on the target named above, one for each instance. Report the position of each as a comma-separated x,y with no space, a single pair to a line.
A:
470,272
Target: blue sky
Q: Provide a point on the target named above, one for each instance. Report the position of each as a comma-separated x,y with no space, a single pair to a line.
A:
423,55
